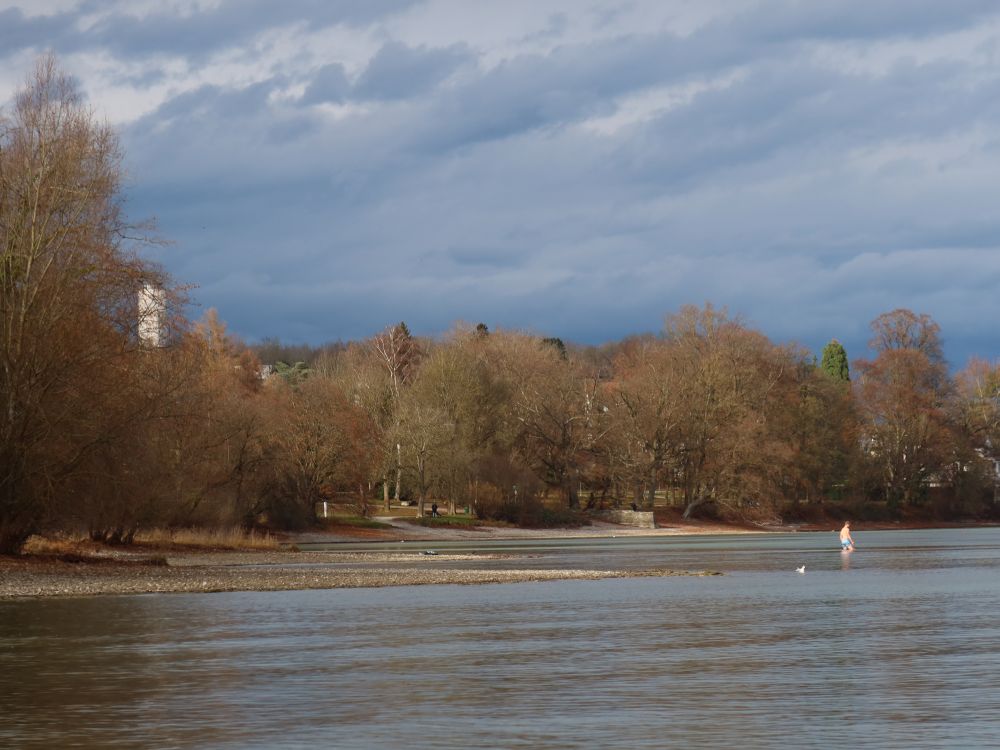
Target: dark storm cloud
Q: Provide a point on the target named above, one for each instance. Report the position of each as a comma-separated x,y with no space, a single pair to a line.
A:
801,171
18,31
395,72
774,113
574,82
531,92
195,34
400,72
329,84
801,20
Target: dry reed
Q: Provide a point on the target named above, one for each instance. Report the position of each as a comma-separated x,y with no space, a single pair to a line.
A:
224,538
233,538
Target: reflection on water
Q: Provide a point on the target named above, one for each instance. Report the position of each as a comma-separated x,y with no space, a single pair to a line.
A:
894,645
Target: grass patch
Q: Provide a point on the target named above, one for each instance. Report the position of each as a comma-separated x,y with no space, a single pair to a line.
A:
446,521
357,522
57,544
530,512
234,538
81,550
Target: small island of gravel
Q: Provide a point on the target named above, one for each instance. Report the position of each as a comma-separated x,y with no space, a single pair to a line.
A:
96,570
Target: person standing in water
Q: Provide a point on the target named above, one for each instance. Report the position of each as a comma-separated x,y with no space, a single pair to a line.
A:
846,542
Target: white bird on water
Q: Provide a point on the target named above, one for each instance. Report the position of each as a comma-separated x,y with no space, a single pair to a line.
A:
801,569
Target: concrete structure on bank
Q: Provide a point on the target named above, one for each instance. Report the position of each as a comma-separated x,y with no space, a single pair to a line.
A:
638,518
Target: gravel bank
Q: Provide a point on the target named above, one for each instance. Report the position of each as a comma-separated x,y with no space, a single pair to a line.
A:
267,571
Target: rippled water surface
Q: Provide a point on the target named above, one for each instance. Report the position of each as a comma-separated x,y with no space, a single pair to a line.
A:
894,645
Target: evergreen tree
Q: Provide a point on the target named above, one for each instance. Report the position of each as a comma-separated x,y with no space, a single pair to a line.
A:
834,361
294,373
557,344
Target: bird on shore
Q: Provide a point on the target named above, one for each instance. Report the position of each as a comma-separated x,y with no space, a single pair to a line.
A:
801,569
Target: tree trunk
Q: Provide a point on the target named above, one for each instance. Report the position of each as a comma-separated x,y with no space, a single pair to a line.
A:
399,470
693,504
363,501
385,493
572,498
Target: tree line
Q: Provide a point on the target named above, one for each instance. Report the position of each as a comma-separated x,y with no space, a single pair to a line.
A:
101,431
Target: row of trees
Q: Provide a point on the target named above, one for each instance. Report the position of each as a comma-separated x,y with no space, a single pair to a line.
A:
101,431
710,414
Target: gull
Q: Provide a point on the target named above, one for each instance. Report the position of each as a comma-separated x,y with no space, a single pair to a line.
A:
801,569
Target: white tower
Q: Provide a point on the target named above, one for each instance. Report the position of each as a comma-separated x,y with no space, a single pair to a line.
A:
152,315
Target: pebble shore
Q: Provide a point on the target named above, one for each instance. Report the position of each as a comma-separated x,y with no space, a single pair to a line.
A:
270,571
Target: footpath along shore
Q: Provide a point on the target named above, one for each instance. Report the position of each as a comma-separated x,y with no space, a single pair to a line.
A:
101,570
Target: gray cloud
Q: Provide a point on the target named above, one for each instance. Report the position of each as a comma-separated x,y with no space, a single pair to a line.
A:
398,71
395,72
330,84
806,194
18,31
800,20
196,34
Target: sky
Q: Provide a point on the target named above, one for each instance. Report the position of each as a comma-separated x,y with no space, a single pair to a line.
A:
576,168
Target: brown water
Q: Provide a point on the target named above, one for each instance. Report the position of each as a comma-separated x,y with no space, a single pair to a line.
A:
895,645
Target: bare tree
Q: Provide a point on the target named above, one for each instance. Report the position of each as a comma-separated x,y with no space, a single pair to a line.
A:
320,445
977,411
555,407
645,403
456,379
68,287
399,355
425,436
902,397
730,379
362,376
904,329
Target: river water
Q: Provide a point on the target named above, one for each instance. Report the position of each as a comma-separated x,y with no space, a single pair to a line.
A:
894,645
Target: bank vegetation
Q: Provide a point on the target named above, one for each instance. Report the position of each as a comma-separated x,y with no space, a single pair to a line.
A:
108,431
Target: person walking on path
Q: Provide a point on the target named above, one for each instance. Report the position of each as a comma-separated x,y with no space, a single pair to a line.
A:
846,542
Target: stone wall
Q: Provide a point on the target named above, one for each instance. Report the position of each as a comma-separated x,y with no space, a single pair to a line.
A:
638,518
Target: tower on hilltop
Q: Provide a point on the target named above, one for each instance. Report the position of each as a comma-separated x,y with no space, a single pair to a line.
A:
152,311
